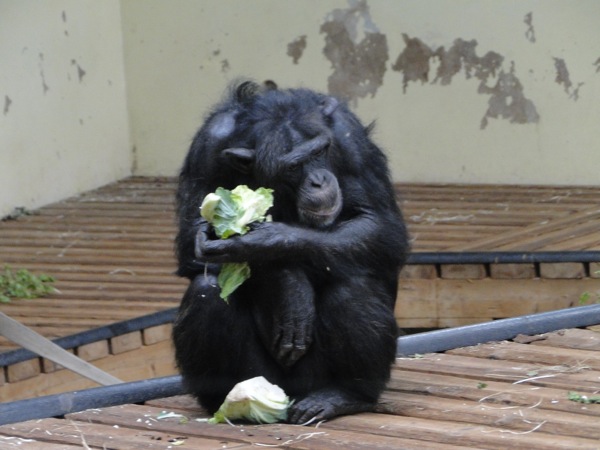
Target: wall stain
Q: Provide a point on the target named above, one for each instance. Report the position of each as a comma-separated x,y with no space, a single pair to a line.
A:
530,32
296,48
225,66
357,51
507,99
45,87
413,62
7,103
562,74
462,55
563,77
64,19
597,64
80,71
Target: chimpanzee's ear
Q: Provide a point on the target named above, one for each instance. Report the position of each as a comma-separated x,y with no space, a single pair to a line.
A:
241,159
246,91
329,105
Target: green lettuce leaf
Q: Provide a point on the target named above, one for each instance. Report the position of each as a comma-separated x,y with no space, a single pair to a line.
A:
230,213
231,276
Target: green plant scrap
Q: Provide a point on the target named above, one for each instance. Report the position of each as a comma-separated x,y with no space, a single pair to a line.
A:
582,398
23,284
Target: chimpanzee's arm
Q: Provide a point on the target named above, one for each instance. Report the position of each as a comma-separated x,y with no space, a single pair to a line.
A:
357,239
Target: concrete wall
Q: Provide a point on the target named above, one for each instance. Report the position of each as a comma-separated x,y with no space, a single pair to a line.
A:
63,113
473,91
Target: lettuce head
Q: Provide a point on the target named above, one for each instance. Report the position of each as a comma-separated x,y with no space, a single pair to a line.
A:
255,400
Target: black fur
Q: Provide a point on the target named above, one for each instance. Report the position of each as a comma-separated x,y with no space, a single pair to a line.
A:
316,316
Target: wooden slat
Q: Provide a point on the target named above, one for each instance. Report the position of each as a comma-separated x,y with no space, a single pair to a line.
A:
495,395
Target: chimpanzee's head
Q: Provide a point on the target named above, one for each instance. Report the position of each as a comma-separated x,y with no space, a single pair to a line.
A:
283,139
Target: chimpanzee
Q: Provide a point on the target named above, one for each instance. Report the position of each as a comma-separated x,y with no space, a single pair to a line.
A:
316,316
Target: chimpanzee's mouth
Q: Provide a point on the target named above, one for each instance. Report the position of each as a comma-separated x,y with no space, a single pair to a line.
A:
322,217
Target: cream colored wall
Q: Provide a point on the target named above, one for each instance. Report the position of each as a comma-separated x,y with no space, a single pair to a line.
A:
181,54
65,126
63,115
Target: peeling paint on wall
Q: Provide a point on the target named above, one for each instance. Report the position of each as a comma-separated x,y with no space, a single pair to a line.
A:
296,48
357,51
462,55
507,100
7,103
562,74
530,32
563,77
413,62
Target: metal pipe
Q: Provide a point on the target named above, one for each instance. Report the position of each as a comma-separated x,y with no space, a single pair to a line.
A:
101,397
502,257
428,342
498,330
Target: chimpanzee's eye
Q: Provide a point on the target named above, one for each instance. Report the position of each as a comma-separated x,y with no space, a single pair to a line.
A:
294,167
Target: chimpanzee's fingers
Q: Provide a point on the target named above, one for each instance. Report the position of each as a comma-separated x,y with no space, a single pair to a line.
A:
293,343
222,250
200,239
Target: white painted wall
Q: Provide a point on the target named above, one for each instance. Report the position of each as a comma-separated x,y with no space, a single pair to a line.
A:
63,113
181,54
176,56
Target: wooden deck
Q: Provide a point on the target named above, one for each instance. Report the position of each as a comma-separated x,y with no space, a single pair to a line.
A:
499,395
111,250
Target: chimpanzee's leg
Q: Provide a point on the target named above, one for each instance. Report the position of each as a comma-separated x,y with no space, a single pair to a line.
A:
216,344
357,331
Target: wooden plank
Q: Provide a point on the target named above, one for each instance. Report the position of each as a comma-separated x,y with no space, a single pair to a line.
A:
562,270
126,342
149,361
576,360
484,390
561,374
495,298
513,239
287,436
427,272
23,370
9,441
456,433
157,334
512,271
516,418
93,351
574,338
76,434
463,271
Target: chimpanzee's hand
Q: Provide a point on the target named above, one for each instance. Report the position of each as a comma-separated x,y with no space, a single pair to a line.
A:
285,315
201,239
265,241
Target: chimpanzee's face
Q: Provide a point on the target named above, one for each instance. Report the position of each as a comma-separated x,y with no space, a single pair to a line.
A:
285,145
306,174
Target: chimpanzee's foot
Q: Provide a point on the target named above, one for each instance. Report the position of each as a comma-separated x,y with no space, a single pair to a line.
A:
326,404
